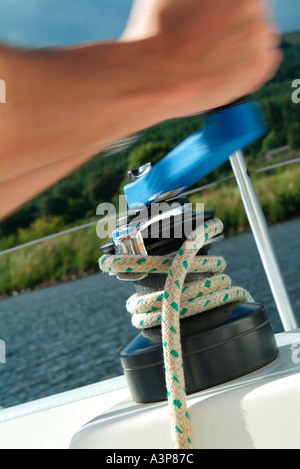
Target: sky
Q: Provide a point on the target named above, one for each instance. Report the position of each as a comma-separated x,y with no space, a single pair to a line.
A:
43,23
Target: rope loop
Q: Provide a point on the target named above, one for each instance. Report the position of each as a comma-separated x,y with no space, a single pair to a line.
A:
178,300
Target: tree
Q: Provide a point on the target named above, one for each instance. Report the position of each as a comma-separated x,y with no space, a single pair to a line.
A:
272,140
67,190
78,209
102,186
21,219
52,205
294,135
150,152
273,115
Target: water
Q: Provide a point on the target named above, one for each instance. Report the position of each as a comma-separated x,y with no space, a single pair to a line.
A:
68,336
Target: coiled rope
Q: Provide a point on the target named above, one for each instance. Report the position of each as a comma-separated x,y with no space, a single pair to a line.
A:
177,301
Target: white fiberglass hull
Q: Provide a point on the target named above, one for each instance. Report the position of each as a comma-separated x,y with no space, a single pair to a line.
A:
259,410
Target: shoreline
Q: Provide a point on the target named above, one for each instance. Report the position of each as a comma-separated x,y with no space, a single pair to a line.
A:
75,255
90,272
50,283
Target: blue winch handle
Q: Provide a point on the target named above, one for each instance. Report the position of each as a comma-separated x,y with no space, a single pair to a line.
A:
230,129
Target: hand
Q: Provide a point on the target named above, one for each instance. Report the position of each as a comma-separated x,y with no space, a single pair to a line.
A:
208,52
177,57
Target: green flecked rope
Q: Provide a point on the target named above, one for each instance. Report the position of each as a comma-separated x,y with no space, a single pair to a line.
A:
177,301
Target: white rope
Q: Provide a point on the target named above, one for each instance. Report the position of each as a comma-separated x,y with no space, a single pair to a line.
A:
177,301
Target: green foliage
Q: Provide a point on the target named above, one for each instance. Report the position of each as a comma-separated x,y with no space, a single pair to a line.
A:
150,152
291,63
40,228
272,140
67,190
272,111
294,135
102,186
55,260
53,205
69,207
79,209
278,194
44,226
22,219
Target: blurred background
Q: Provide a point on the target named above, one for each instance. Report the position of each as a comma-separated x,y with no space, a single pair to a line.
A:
42,23
52,297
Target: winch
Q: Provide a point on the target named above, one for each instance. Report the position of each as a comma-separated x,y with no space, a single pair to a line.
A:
223,333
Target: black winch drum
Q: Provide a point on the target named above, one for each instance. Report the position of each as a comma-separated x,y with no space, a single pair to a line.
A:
218,346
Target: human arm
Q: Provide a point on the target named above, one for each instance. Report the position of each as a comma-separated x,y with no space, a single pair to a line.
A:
65,105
